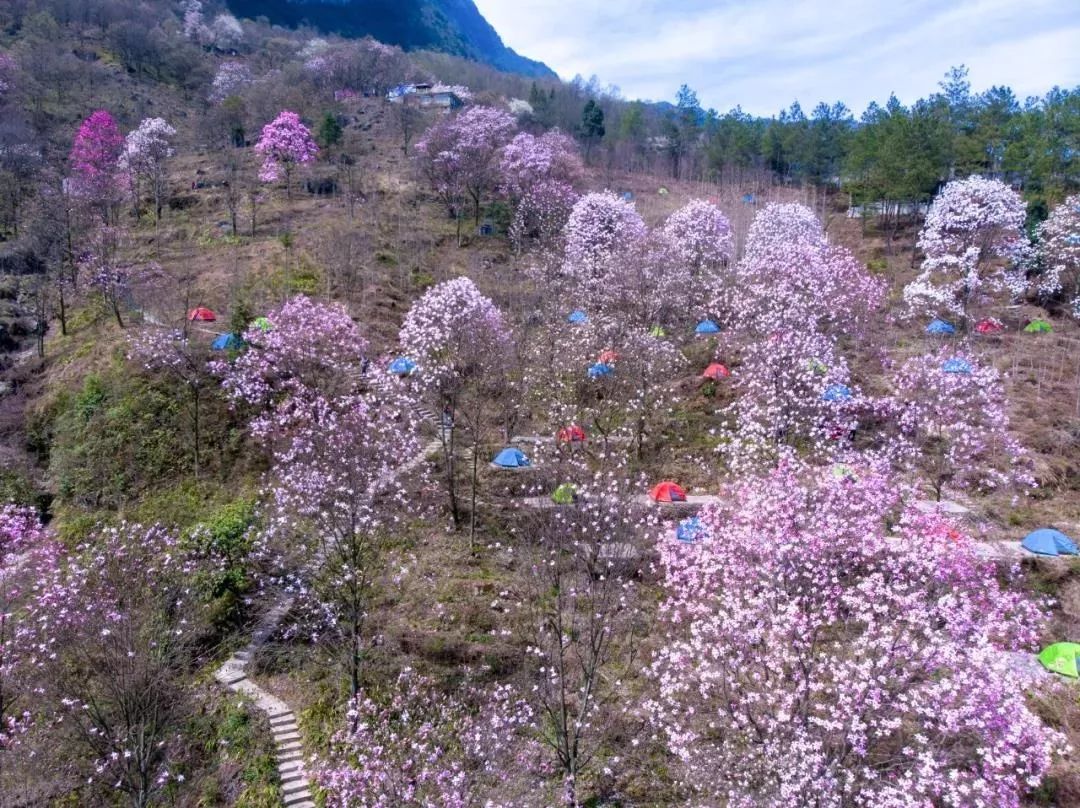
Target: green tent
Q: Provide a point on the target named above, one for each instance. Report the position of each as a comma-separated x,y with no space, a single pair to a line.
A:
263,324
657,331
817,366
1038,327
565,494
1061,658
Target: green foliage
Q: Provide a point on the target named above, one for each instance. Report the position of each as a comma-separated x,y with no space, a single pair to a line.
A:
330,131
225,537
239,757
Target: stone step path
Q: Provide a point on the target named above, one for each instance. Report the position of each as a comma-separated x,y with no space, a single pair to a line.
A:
289,755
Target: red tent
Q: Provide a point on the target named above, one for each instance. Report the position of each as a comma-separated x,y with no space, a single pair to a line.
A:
989,326
608,357
571,434
202,315
715,371
668,492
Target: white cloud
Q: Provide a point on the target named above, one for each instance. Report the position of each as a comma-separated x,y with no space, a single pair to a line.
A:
763,54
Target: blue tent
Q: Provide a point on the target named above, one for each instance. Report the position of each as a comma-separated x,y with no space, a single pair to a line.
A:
690,530
577,316
227,342
748,199
1047,541
402,366
511,458
707,327
600,369
956,365
940,327
836,392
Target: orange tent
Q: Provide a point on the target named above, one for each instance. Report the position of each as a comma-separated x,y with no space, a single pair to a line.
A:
716,371
608,357
571,434
668,491
202,315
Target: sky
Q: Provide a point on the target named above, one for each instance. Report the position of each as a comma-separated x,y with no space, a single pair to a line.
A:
764,54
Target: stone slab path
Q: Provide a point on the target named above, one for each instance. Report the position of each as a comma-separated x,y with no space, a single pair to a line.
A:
233,673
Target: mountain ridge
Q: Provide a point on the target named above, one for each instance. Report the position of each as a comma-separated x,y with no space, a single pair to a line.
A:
452,26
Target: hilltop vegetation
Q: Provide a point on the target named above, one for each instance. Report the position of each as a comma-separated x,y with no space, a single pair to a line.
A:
338,433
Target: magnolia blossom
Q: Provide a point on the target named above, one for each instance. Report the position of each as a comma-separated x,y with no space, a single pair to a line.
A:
599,225
794,397
8,69
953,417
974,244
790,277
230,79
284,143
312,349
1059,249
700,234
398,754
542,212
146,152
459,155
808,650
528,160
94,154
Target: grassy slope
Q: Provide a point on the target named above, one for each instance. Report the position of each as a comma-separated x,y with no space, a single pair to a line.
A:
401,241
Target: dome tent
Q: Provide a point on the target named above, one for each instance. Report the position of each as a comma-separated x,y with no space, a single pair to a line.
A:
988,325
690,530
1047,541
668,491
571,434
263,324
715,371
1061,658
201,315
577,316
1038,326
402,366
836,392
599,370
941,328
227,342
511,458
707,327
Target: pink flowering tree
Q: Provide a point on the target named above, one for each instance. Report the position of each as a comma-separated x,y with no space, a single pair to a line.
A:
94,154
794,398
974,246
790,277
284,144
952,414
808,649
337,499
399,749
576,607
700,235
600,225
463,350
645,283
459,156
528,160
230,79
124,628
1059,251
28,557
103,268
144,161
311,350
541,213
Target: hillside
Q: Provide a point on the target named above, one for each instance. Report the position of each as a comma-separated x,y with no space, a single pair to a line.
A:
451,26
327,472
